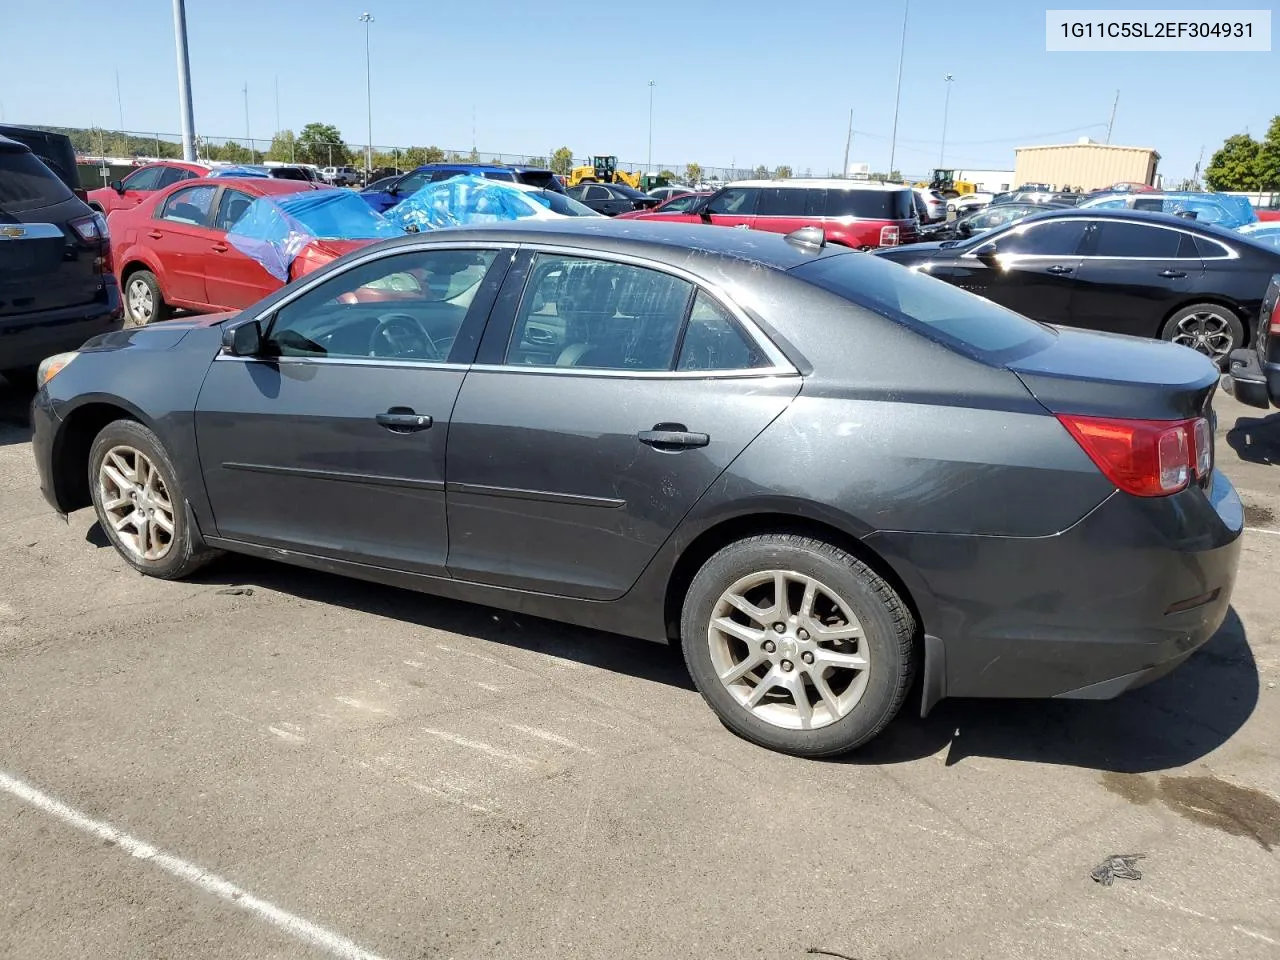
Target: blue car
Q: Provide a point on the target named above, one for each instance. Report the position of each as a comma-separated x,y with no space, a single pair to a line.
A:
1265,231
385,194
1219,209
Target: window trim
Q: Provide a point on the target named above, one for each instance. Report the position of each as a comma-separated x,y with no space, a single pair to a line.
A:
1090,225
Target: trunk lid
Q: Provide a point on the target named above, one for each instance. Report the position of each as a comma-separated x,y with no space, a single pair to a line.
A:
1109,375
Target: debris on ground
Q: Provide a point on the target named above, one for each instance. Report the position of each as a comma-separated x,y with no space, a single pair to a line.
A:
1122,865
237,592
829,953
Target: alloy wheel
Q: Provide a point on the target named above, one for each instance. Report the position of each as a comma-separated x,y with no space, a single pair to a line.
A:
136,503
142,305
1205,331
789,649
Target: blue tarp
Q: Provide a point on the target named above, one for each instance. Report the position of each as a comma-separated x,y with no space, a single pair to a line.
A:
274,230
459,201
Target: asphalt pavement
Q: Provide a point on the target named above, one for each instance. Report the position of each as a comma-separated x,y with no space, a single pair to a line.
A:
267,762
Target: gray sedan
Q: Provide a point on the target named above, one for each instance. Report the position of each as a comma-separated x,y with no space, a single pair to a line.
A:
819,472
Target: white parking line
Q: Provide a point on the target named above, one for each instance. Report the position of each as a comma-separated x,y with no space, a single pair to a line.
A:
1274,533
298,928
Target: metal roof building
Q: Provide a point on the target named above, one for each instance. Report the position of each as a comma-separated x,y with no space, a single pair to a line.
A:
1084,164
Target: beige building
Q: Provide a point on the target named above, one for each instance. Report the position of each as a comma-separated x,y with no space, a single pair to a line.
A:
1085,164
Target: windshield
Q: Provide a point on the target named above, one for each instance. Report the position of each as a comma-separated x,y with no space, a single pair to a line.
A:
961,320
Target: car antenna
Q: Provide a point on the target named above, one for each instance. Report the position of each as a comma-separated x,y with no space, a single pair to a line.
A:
810,238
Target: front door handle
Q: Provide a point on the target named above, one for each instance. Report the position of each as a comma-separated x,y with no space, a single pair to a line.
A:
672,437
220,247
1060,270
155,234
1172,274
403,420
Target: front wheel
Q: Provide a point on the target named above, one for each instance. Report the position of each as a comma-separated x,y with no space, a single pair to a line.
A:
1209,328
797,645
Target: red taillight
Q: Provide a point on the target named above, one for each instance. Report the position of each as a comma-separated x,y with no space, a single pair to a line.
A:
90,228
889,236
1148,458
1275,318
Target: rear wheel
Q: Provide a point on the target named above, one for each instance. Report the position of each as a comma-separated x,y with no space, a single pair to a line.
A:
143,301
797,645
1209,328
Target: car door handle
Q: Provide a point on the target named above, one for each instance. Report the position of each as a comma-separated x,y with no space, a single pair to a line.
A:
220,248
1060,270
1172,274
672,437
154,234
403,420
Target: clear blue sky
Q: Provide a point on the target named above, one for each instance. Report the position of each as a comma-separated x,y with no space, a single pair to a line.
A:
751,81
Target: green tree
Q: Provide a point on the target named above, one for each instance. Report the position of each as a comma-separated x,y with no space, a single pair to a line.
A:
417,156
1235,166
537,161
1268,167
761,172
562,161
693,174
283,146
322,144
782,172
669,175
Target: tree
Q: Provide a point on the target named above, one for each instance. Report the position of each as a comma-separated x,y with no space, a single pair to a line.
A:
693,174
669,175
1235,166
782,172
283,146
761,172
322,144
562,161
473,156
1269,158
417,156
537,161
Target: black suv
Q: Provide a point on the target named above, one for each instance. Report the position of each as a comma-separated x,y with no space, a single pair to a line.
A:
56,285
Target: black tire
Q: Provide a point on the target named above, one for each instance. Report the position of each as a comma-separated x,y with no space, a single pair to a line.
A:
21,378
888,633
159,311
186,552
1214,348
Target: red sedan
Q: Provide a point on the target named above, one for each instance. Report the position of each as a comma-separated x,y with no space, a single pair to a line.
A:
172,249
142,183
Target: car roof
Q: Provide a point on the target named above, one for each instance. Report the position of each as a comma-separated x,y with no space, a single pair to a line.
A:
1142,216
821,183
260,186
462,165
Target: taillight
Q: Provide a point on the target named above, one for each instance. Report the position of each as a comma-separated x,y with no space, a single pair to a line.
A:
1147,458
90,228
1275,318
889,236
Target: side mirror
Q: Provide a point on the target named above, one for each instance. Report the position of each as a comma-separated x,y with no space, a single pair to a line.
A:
988,254
117,186
964,229
242,339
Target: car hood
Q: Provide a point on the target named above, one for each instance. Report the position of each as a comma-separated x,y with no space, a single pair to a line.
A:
155,336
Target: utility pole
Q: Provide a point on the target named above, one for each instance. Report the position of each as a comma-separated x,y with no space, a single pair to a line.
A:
897,95
119,102
1196,179
278,127
1111,123
184,81
848,139
649,162
946,106
253,157
367,18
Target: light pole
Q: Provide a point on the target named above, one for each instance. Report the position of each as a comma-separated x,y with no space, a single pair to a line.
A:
367,18
897,96
946,105
184,81
649,165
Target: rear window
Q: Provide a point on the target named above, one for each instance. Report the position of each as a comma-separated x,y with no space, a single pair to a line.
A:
871,204
960,320
27,184
539,178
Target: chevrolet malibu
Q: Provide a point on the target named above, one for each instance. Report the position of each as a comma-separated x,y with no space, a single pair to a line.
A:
821,474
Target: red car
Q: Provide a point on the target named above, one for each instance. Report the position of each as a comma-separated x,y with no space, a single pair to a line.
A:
142,183
172,249
852,213
682,203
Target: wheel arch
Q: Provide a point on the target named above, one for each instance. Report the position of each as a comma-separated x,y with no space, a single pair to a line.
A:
71,446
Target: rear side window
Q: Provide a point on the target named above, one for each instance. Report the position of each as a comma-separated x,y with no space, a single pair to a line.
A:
781,202
871,204
1119,239
500,175
1212,250
962,320
27,184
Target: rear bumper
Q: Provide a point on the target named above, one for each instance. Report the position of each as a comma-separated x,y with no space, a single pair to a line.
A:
1250,381
26,339
1121,598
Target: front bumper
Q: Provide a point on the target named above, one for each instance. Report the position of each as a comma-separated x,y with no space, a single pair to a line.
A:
44,431
1250,381
1118,599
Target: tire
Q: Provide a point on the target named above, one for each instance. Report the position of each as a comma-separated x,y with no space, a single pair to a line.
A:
123,454
143,301
862,700
1209,328
21,378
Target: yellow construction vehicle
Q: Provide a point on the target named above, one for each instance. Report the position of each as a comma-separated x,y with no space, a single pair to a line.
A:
603,170
945,182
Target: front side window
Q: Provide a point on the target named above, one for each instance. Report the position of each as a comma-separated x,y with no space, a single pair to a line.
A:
1119,203
413,182
714,340
680,204
409,306
735,202
1057,238
593,314
147,178
190,206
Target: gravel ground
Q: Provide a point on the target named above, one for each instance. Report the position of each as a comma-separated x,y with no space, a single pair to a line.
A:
330,768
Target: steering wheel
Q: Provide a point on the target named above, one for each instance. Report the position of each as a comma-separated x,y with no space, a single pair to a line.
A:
401,335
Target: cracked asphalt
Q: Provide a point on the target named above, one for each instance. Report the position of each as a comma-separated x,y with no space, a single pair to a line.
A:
418,778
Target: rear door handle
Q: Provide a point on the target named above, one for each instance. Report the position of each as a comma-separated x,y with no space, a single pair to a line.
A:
1061,270
403,420
1172,274
220,247
672,437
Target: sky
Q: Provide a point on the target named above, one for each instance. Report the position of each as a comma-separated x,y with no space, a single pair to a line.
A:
744,83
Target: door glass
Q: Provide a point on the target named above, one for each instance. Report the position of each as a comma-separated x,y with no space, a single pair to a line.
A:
1127,240
714,340
191,206
1148,203
598,193
231,209
735,202
1058,238
781,202
405,307
171,175
599,315
145,179
815,203
413,183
